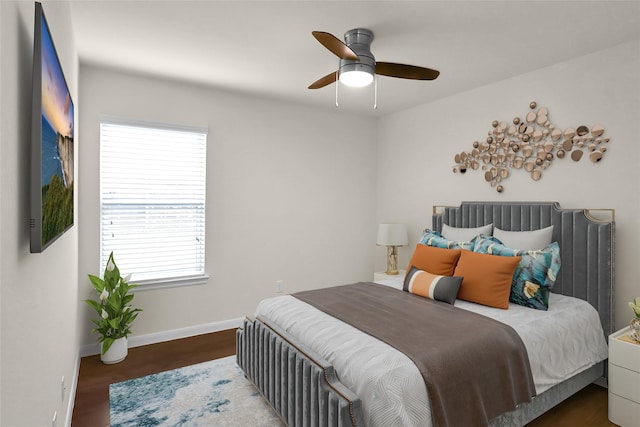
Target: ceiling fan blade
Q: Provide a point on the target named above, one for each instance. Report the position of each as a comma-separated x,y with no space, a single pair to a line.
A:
335,45
324,81
404,71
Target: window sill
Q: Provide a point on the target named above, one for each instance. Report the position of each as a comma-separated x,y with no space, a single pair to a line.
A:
175,282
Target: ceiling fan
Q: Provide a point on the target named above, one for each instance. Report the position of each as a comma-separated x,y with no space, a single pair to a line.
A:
357,63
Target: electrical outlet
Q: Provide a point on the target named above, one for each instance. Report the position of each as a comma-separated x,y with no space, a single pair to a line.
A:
54,421
279,286
62,388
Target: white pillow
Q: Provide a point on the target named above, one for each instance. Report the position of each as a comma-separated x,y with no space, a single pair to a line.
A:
458,234
525,240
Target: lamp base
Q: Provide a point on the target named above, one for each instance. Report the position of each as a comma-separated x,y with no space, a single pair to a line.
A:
392,260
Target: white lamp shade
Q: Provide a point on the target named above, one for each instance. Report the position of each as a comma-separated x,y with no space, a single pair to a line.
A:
392,235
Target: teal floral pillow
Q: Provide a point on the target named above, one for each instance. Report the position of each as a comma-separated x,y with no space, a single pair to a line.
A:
493,246
433,238
535,275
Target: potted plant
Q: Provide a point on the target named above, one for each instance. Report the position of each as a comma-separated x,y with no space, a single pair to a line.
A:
114,310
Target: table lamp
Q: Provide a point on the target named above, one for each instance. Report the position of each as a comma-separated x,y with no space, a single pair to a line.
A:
392,236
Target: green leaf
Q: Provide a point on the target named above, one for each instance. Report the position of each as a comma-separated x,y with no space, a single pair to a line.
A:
97,283
96,306
114,305
106,344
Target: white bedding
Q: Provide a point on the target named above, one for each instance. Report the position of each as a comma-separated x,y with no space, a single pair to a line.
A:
561,342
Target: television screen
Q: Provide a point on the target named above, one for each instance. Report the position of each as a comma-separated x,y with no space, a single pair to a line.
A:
52,140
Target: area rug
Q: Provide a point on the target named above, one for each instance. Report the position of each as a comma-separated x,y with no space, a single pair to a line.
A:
214,393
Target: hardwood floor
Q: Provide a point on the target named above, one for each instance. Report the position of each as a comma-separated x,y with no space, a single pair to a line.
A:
588,408
92,394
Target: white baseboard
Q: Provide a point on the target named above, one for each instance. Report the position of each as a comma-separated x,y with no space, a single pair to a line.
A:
72,392
156,337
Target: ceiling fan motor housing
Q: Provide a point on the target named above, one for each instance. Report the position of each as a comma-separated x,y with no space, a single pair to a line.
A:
359,41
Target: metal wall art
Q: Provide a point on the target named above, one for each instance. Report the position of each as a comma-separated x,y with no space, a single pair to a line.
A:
530,144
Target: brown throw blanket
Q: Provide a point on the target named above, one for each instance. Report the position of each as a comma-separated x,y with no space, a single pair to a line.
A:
474,367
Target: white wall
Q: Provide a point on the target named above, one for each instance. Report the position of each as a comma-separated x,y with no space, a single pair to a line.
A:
290,196
38,292
416,149
294,193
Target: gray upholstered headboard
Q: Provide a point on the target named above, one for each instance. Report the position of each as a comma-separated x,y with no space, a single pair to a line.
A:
586,244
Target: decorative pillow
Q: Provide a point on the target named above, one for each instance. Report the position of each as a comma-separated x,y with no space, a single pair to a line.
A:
465,234
487,278
434,260
439,288
433,238
525,240
535,275
493,246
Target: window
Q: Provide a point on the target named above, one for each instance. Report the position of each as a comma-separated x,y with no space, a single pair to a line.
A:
152,201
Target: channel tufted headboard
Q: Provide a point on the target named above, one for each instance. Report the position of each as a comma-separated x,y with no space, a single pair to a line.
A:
586,243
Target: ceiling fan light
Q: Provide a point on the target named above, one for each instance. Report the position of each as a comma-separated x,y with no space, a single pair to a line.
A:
356,78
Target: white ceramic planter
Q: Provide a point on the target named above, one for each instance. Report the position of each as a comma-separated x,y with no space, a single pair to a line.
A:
117,352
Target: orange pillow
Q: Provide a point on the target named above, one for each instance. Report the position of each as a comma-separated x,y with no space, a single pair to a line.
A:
434,260
487,278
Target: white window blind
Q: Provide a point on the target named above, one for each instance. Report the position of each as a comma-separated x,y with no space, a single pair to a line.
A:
152,199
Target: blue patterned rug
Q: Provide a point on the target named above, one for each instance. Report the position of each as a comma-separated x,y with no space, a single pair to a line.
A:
214,393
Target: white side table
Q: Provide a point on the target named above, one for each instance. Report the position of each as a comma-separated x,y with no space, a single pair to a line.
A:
381,275
624,379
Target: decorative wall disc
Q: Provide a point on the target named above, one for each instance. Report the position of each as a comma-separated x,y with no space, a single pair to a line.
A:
532,144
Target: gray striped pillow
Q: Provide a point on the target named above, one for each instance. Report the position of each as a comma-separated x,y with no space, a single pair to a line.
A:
425,284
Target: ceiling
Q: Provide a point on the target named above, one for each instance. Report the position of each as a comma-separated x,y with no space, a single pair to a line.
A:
265,48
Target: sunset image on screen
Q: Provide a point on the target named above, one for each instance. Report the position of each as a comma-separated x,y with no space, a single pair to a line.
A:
57,144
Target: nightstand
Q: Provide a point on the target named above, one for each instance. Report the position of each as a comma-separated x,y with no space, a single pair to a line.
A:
624,379
379,275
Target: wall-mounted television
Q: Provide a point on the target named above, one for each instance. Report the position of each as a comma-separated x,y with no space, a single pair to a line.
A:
52,142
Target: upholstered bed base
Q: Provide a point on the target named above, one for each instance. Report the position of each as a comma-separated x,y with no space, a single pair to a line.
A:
300,385
304,389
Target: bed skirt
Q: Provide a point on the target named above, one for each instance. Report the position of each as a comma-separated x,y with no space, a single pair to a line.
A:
301,386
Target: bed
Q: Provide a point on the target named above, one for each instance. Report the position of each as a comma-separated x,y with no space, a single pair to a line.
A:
289,351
